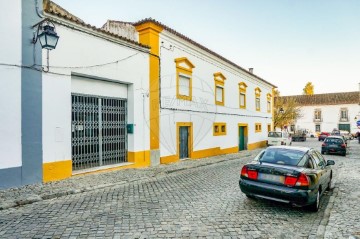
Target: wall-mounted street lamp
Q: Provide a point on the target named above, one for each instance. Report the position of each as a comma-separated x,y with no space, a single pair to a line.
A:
281,111
47,35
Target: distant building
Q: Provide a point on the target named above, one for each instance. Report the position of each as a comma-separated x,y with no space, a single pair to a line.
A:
325,112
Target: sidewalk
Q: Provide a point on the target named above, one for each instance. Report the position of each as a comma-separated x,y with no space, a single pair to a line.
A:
82,183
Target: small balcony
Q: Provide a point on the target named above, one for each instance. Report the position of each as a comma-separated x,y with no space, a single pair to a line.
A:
346,119
318,119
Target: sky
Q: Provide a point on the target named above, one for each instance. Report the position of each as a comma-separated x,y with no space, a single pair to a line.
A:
287,42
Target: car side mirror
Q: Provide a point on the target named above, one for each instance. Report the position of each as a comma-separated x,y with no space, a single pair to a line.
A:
330,162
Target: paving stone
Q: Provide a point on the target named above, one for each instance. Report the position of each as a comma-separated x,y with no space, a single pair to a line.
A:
194,198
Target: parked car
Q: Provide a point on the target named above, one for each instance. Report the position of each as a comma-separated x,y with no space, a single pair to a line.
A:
294,175
323,135
334,144
347,135
278,138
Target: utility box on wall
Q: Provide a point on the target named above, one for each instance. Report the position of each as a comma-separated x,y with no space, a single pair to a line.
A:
130,128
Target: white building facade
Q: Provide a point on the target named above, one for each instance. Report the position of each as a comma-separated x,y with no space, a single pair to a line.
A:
326,112
207,104
127,95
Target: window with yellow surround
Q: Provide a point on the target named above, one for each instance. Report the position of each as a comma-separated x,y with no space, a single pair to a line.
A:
242,95
257,127
184,78
268,96
219,79
219,129
257,98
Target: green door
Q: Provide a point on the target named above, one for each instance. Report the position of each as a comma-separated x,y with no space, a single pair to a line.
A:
241,138
344,127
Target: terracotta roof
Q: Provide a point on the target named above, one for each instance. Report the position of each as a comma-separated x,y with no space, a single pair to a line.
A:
56,10
326,99
200,46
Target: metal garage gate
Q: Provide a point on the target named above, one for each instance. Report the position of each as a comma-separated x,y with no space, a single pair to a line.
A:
98,131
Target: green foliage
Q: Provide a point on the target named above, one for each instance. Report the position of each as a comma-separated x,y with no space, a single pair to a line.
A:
291,111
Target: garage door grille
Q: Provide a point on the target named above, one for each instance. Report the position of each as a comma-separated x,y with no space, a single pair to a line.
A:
98,131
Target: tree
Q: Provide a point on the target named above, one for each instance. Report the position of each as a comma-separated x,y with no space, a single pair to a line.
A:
286,110
308,89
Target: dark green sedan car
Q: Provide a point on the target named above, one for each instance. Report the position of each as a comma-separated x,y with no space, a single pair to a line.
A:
334,145
295,175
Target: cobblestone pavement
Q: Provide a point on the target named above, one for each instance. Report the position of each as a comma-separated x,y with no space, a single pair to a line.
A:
189,199
342,217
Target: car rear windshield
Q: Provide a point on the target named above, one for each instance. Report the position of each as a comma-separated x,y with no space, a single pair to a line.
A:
274,134
333,141
282,156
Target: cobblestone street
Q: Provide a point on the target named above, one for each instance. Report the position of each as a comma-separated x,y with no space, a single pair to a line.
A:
179,201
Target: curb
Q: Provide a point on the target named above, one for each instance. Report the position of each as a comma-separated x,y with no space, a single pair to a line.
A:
33,198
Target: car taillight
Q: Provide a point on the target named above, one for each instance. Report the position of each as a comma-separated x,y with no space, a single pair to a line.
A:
343,146
301,180
290,180
253,174
249,173
244,171
323,145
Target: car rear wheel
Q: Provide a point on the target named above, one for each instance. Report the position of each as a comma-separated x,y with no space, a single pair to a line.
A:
343,154
316,205
322,152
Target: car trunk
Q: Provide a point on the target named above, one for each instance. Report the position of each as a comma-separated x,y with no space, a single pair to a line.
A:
274,173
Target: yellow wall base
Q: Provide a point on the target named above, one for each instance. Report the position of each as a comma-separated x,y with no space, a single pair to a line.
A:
60,170
204,153
57,170
257,145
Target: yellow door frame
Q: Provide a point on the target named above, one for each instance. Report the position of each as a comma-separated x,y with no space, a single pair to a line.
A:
246,130
190,141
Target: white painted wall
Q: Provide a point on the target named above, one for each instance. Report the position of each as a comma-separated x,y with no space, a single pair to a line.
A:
204,99
10,84
83,54
330,116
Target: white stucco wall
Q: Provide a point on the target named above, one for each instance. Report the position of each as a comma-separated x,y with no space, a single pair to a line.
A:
203,99
77,53
330,117
10,84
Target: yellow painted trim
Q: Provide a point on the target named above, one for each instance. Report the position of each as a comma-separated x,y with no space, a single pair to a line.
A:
244,125
204,153
256,145
220,84
183,97
218,76
186,61
169,159
219,125
246,133
257,96
185,71
258,127
190,141
140,159
57,170
268,96
242,90
149,35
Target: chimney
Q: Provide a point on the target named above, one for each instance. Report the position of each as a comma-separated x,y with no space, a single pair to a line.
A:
251,70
